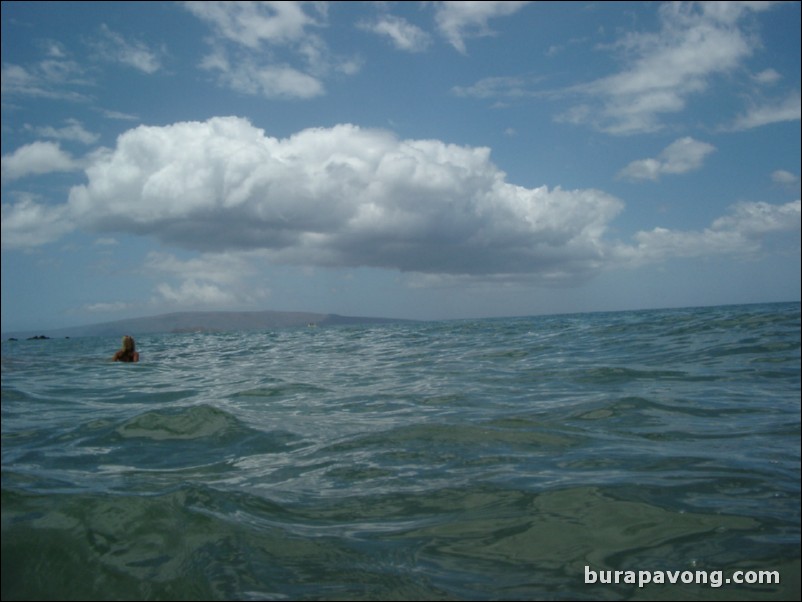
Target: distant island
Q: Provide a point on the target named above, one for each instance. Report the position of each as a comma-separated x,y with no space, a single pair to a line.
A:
205,321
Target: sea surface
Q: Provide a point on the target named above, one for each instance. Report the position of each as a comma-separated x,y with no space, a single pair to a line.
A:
499,459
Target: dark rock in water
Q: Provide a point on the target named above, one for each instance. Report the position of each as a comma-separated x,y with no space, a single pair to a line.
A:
39,337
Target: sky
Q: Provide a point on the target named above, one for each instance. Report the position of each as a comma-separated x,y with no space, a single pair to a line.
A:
425,160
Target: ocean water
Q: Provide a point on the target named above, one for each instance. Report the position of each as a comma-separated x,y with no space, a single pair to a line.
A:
512,459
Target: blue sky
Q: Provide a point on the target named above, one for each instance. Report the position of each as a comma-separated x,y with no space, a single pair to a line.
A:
424,160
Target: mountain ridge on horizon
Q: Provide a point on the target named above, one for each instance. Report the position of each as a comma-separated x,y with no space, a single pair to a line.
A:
233,321
202,321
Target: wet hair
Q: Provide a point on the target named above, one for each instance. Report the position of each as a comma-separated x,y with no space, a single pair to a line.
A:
128,352
129,346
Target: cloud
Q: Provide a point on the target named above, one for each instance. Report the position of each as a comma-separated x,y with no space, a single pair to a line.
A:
740,233
270,81
787,109
224,269
36,158
681,156
253,23
113,307
55,77
107,242
74,131
459,20
785,178
502,87
192,294
403,34
117,115
663,70
209,280
767,76
28,223
269,48
50,78
753,220
352,197
342,196
114,47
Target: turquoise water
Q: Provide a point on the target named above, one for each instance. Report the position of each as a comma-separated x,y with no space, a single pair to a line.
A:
460,460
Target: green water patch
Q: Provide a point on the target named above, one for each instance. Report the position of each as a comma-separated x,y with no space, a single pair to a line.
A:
187,423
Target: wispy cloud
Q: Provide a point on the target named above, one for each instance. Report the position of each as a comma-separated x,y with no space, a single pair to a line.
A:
681,156
118,115
28,223
73,131
55,79
113,46
270,48
252,24
403,34
662,70
107,242
501,88
271,81
787,109
108,307
457,21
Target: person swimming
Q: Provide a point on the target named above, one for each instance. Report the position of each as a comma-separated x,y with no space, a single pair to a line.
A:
128,352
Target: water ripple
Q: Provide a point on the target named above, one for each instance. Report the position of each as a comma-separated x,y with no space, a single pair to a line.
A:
477,459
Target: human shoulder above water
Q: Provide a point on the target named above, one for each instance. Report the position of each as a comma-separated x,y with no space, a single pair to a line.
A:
128,352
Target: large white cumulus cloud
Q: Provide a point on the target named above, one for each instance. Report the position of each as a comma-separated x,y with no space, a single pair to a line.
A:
341,196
